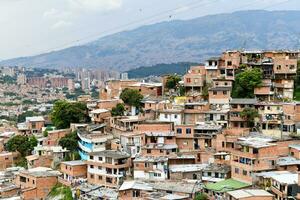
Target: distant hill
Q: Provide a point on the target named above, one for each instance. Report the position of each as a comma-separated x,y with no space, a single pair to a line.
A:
160,69
178,41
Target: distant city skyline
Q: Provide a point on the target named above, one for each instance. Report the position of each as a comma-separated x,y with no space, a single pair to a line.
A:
29,27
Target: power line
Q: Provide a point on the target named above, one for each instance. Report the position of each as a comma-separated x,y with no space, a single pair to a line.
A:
165,13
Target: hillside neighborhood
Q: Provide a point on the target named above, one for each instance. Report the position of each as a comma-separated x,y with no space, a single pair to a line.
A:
228,129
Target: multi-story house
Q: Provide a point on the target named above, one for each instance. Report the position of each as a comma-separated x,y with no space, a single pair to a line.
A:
195,112
72,172
271,118
92,142
236,107
285,186
36,183
194,81
108,168
150,167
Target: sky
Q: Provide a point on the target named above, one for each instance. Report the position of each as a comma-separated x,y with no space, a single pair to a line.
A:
31,27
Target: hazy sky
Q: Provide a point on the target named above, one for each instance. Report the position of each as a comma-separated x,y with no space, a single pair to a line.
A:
30,27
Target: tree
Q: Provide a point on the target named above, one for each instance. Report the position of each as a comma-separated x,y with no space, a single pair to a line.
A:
118,110
70,141
172,81
64,113
249,114
245,82
60,191
22,117
205,90
131,97
201,196
22,144
45,133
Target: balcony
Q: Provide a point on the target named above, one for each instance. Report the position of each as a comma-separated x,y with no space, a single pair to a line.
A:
236,119
84,148
284,85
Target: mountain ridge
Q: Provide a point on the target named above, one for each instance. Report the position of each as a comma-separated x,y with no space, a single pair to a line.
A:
177,41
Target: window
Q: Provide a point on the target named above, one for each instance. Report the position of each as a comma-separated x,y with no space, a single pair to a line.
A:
99,167
245,173
255,151
236,170
91,157
161,151
148,150
229,63
175,116
135,193
108,160
157,175
188,131
188,80
222,117
100,158
166,116
223,144
33,182
225,92
179,130
278,67
91,175
99,177
147,165
92,166
292,66
225,83
214,92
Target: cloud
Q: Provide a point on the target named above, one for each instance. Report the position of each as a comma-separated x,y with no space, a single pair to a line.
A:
61,24
182,9
96,5
56,14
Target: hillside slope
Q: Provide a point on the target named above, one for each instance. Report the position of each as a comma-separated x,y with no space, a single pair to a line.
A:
178,41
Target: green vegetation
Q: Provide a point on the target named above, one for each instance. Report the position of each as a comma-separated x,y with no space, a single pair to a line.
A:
118,110
297,84
8,104
29,102
8,79
245,82
62,192
10,94
201,196
70,142
45,133
22,144
64,113
22,117
160,69
77,92
205,90
94,93
249,114
172,81
131,97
